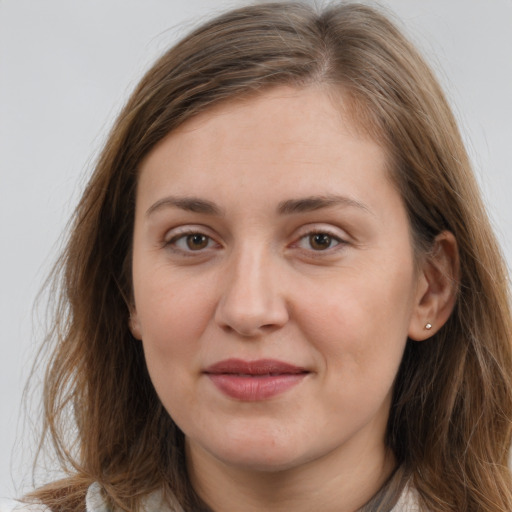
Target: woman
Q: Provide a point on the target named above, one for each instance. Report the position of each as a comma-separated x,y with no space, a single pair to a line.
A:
281,290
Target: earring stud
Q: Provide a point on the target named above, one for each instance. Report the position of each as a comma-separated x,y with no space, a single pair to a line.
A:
428,326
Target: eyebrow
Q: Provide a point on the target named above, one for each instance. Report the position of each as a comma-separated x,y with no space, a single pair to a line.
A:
289,207
189,204
309,204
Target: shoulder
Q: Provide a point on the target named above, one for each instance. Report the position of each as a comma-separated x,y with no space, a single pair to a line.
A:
16,506
96,503
94,500
408,501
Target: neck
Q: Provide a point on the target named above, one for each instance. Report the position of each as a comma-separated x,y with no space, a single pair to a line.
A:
338,482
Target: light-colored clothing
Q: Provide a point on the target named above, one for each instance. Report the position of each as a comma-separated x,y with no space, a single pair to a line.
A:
16,506
94,503
408,501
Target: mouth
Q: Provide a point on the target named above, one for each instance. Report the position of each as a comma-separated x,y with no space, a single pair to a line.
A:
254,380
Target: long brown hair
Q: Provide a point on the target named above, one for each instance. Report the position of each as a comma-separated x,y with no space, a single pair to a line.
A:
451,417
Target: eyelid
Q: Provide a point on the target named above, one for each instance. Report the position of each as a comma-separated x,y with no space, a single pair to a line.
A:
175,234
338,234
187,229
311,229
328,229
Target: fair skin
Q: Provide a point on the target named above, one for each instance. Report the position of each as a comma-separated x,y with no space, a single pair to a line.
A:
269,229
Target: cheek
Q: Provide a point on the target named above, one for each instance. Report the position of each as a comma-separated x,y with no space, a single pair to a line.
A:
360,324
172,318
359,349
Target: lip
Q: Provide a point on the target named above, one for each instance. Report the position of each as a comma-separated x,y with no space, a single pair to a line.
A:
253,381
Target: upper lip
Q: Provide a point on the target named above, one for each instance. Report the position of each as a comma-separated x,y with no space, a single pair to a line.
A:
257,367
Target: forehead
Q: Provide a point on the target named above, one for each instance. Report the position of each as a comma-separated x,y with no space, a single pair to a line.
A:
282,143
313,104
305,128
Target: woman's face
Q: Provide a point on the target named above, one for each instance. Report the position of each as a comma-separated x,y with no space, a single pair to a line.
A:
274,281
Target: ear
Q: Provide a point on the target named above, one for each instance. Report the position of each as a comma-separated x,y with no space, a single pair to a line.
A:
134,323
437,286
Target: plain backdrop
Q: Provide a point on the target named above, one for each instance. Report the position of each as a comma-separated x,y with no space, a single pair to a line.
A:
66,68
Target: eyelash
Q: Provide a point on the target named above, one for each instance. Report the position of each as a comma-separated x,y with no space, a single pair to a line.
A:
335,242
332,238
185,236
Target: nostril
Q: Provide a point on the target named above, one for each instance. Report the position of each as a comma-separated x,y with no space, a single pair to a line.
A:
247,325
250,303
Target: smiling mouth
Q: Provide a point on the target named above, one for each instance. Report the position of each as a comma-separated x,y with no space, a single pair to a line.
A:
252,381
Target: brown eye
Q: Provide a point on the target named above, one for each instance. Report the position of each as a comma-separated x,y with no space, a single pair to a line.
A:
320,241
197,241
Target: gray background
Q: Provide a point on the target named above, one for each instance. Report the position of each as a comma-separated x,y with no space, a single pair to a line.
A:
66,67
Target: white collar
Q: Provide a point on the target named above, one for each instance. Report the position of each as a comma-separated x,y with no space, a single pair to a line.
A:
408,502
95,502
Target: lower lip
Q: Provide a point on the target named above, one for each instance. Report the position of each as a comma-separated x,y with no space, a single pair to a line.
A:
252,389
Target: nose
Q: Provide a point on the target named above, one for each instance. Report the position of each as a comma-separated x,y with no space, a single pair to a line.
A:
251,301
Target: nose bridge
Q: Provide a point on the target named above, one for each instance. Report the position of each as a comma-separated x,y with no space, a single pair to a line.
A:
251,301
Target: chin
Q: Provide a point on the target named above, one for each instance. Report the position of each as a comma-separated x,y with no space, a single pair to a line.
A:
262,455
263,463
